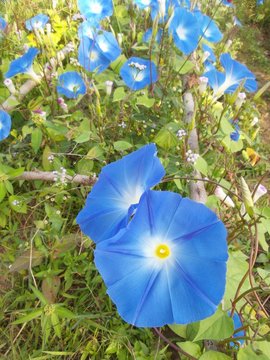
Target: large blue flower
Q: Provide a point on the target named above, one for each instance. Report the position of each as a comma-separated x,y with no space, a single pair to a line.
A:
37,22
234,75
108,45
71,85
208,28
23,64
185,30
5,124
91,57
138,73
86,29
3,24
117,192
169,265
95,10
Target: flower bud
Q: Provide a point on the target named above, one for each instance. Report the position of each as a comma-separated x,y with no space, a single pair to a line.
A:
220,193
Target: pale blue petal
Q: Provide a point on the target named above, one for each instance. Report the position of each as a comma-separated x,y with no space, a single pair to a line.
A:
118,189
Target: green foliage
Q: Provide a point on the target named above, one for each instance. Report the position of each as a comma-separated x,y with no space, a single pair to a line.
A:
53,303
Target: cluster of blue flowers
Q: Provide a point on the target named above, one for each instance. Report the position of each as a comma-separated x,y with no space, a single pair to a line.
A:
162,257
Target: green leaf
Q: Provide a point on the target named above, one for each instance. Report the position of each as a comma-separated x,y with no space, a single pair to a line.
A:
248,353
64,312
179,330
262,91
119,94
217,327
232,146
55,324
201,165
36,139
3,191
122,145
237,267
17,204
95,153
23,261
47,165
190,348
39,295
214,355
145,101
226,126
183,65
166,139
24,319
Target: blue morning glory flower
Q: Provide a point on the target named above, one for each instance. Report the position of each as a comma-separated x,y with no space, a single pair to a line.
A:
95,10
169,264
235,74
208,28
86,29
237,325
5,124
108,45
117,192
3,24
212,56
138,73
147,36
71,85
142,4
23,64
161,7
260,2
37,22
185,30
235,135
91,57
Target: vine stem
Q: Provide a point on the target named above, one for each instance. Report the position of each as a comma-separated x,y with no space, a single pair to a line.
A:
173,346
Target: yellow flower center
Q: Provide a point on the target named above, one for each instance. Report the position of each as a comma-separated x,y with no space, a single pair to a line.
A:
162,251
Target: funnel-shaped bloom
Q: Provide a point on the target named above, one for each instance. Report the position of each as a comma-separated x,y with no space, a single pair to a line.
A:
3,24
138,73
117,192
23,64
86,29
91,57
234,75
95,10
208,28
108,45
185,30
5,124
71,85
37,22
169,265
